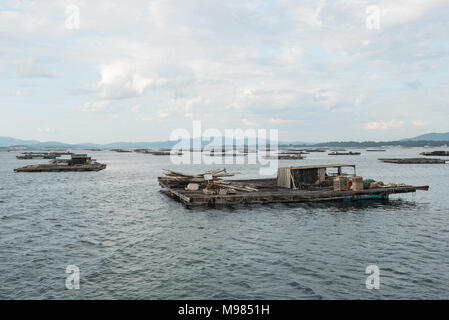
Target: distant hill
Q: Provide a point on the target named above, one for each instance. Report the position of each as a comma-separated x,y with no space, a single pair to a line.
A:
430,137
8,141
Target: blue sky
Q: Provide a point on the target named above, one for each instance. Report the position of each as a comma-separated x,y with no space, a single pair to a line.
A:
136,70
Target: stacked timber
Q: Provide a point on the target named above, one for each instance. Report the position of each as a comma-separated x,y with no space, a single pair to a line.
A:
211,182
412,160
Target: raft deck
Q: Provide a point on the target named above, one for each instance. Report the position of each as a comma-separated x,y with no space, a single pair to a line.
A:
270,193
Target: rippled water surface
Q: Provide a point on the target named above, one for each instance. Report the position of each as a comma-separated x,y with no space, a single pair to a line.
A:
131,241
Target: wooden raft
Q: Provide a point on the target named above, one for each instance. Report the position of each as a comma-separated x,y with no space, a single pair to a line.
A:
268,192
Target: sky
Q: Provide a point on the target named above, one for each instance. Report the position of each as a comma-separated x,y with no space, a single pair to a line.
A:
103,71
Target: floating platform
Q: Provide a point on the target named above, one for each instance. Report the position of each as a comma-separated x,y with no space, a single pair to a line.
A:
413,160
350,153
77,163
41,155
270,193
165,153
283,156
293,184
435,153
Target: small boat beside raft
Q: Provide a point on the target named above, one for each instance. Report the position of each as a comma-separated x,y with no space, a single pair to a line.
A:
77,163
293,184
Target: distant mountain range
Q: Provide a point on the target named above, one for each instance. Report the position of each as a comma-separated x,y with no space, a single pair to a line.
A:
425,139
9,142
430,137
12,142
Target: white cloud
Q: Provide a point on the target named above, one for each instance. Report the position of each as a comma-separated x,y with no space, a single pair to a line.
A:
185,106
402,11
21,93
45,130
29,68
136,108
124,80
313,62
359,100
97,106
248,123
384,125
291,55
420,123
280,121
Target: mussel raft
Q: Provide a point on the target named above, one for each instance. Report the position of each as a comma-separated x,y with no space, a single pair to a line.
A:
293,184
77,163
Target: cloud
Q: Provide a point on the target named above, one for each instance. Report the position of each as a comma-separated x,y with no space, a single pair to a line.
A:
414,85
29,68
403,11
313,62
186,106
136,108
384,125
248,123
97,106
291,55
280,121
21,93
359,100
420,123
45,130
124,79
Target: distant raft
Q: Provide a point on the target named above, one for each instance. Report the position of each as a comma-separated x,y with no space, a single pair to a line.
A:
350,153
77,163
41,155
435,153
412,160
